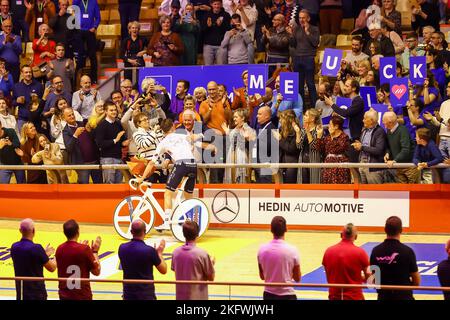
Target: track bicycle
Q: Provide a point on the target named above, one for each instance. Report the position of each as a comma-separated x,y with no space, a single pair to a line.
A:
144,207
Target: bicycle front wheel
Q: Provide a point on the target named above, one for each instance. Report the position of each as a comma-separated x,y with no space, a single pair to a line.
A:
131,208
191,209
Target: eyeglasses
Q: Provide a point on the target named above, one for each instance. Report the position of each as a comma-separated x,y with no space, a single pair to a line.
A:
143,119
59,82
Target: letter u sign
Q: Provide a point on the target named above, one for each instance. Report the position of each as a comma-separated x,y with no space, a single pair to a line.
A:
332,62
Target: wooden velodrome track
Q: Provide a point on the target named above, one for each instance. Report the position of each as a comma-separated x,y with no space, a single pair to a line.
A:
235,252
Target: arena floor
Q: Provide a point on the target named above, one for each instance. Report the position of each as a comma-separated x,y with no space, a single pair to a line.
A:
235,252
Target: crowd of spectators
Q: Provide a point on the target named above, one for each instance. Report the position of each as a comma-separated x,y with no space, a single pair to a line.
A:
244,129
391,263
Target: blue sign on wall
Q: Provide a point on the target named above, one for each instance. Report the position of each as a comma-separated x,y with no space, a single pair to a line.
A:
199,76
428,256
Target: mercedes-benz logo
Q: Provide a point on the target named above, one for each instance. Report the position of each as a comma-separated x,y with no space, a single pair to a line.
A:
225,206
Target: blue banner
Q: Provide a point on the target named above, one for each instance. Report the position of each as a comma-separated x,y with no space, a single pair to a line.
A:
331,62
399,92
344,103
387,69
289,85
257,78
199,76
381,109
417,69
369,95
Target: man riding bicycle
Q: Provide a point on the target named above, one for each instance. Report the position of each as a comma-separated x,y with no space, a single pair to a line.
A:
178,148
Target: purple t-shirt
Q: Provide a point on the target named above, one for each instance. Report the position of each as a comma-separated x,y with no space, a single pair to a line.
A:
29,259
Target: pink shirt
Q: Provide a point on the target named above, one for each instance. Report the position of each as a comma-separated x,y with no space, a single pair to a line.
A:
191,263
277,259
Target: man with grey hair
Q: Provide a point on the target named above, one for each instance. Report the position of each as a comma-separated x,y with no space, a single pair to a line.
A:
427,32
400,149
266,145
386,47
371,147
29,260
84,99
345,263
137,260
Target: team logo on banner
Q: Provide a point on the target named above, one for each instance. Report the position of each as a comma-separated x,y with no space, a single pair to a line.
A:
331,62
257,78
417,69
399,92
369,95
289,85
387,69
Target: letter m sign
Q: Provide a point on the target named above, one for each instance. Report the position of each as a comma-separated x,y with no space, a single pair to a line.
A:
257,78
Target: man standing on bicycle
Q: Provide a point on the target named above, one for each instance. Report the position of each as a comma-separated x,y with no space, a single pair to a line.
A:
178,148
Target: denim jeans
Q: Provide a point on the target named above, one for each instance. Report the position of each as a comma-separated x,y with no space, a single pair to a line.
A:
446,175
83,175
110,175
5,176
211,55
305,68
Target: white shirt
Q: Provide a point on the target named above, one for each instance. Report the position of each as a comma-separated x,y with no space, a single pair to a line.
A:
177,146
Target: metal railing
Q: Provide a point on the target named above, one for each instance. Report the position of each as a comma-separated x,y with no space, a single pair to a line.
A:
233,283
353,167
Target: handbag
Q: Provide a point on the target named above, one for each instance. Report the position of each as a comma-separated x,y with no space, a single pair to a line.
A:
40,70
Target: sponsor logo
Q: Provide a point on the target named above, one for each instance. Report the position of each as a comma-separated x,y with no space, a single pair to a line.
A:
389,259
225,206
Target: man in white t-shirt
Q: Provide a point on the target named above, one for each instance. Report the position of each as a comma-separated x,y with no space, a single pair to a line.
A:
356,55
178,148
279,262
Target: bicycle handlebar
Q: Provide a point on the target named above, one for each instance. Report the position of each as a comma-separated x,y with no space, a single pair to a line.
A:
134,185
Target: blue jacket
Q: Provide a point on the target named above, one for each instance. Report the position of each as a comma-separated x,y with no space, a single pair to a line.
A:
297,106
21,89
93,12
429,154
10,51
7,85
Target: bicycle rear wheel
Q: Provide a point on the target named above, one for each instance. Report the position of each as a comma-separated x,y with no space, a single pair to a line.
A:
191,209
133,205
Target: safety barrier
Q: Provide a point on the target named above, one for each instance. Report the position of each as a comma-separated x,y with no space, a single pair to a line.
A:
203,166
231,283
424,205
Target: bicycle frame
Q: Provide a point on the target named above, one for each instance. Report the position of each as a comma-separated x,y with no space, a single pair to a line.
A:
150,198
